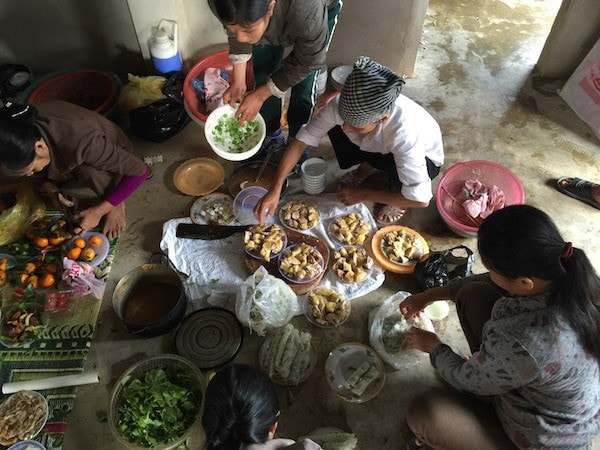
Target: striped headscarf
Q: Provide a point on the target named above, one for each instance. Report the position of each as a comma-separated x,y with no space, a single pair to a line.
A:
368,93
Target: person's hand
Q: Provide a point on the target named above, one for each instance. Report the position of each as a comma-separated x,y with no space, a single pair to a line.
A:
266,206
249,107
88,219
351,196
233,94
421,339
413,305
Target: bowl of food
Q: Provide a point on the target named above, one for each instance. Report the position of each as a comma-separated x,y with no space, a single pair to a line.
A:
349,229
299,215
91,248
355,372
265,241
462,186
23,416
231,140
144,391
23,324
398,249
326,308
300,263
351,264
291,364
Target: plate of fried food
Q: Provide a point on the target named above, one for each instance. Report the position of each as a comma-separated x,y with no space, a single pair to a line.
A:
351,264
326,308
397,248
349,229
213,209
264,241
300,263
299,215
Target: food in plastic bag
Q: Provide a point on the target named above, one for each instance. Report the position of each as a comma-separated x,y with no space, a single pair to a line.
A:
332,438
264,302
387,328
141,91
27,208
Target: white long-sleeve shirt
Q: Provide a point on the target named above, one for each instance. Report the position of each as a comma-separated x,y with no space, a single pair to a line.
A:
410,134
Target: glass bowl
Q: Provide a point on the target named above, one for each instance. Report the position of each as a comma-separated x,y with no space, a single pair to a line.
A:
342,369
26,403
286,275
33,335
316,308
256,254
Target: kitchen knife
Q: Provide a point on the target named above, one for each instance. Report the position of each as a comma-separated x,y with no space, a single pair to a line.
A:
207,232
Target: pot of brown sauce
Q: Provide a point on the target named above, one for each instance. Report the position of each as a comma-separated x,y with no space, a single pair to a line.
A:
150,299
245,176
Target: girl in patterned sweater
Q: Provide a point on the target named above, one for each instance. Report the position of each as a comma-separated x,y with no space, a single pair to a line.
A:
533,326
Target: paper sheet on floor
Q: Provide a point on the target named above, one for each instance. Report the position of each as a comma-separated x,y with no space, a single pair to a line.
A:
216,268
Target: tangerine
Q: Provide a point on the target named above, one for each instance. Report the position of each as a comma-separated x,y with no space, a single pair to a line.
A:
3,262
33,281
74,253
41,241
95,240
47,280
24,277
87,254
79,242
2,277
55,239
51,268
30,267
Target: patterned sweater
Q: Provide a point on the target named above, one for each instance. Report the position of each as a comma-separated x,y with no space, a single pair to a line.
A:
543,384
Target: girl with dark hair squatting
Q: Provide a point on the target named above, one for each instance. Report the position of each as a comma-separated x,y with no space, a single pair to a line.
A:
533,326
242,412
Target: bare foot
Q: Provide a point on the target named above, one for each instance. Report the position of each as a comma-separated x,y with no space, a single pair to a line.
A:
114,223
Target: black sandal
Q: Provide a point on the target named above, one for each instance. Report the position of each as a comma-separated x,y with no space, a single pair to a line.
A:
579,189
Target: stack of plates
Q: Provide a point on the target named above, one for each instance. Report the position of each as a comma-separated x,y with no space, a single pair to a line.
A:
339,75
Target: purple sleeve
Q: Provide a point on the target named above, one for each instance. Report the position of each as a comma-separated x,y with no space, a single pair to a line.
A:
126,187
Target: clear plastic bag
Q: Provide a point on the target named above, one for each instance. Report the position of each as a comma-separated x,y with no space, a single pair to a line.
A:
264,302
27,208
406,356
141,91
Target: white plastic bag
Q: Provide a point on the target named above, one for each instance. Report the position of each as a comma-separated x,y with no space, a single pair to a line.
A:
264,302
582,89
406,356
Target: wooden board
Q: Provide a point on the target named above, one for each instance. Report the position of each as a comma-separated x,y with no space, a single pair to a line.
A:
294,237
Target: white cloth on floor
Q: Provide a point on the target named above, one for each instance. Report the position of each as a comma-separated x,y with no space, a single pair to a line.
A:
215,269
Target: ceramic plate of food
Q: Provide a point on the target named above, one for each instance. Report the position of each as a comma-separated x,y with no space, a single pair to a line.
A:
91,248
299,215
349,229
398,249
213,209
264,241
355,372
351,264
288,356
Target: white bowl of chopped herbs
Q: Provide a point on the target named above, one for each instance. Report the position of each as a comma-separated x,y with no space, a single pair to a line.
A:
157,403
229,139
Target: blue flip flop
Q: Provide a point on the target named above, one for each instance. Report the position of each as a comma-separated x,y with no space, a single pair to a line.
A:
577,188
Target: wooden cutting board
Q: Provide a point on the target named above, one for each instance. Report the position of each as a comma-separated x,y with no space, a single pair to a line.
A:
294,237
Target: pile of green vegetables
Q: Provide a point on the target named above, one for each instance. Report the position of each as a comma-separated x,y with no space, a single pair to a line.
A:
158,408
234,137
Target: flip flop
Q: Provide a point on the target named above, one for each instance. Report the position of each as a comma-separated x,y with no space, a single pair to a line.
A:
388,215
579,189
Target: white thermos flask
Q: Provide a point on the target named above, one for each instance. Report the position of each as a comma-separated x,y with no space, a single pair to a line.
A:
163,48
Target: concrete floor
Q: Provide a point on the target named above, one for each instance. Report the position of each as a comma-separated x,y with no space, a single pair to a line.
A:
474,73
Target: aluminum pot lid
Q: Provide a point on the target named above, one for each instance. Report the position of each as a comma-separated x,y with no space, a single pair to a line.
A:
209,337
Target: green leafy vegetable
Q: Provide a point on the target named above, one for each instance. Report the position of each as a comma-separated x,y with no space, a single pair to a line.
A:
157,408
234,137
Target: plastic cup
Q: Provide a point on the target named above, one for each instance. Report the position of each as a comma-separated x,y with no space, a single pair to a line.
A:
313,175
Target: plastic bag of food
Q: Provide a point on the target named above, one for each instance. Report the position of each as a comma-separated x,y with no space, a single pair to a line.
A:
332,438
264,302
387,328
141,91
15,218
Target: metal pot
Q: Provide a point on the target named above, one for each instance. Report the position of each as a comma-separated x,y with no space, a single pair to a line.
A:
150,300
245,175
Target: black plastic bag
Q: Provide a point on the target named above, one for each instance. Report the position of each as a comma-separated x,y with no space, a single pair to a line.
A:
437,268
162,119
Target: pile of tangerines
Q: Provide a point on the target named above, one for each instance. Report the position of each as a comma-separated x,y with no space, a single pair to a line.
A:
83,250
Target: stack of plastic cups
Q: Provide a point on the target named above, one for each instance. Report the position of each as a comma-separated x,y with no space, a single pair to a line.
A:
313,175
